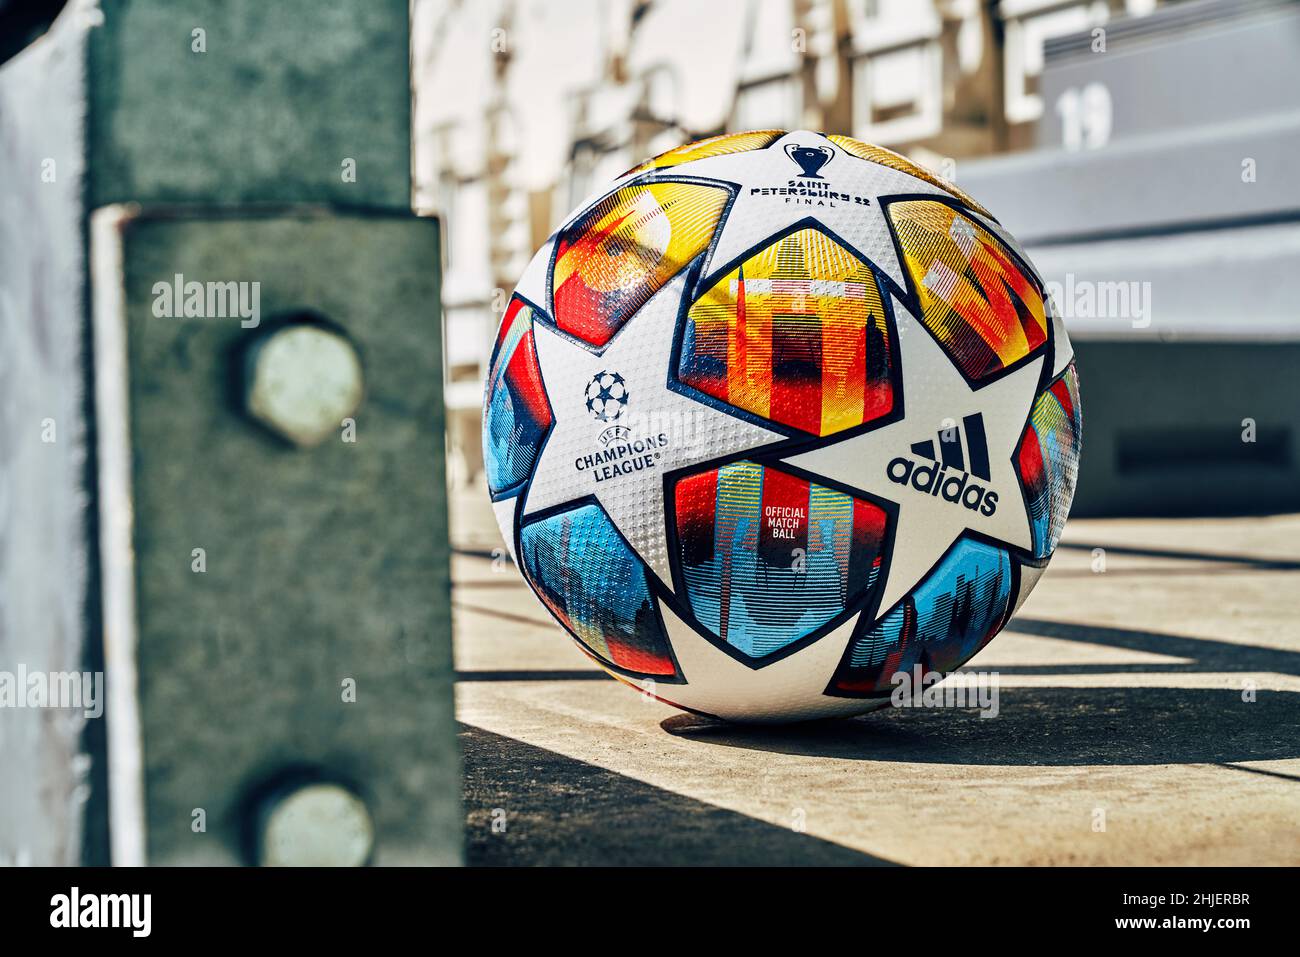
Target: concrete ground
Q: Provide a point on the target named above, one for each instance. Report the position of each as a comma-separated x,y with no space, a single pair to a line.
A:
1126,733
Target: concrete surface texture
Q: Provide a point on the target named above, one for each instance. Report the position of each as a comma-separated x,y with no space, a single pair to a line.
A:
1127,733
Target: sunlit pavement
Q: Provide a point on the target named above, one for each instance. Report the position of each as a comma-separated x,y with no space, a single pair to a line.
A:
1126,734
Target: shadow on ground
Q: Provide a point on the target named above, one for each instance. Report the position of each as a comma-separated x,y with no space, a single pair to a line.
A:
1202,654
559,811
1042,726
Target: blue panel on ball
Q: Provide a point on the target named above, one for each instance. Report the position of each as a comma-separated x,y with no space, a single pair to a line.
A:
958,608
768,558
516,415
1048,459
596,585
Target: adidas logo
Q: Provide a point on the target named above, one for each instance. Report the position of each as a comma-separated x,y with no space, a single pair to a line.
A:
969,462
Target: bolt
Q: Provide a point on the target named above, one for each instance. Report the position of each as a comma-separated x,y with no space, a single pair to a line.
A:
315,825
303,380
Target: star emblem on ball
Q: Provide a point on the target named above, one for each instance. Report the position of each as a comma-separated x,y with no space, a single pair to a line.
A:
606,396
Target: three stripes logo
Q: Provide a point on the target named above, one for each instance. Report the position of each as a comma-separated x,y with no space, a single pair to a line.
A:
954,469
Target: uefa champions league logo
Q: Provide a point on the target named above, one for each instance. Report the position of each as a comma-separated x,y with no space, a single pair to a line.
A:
606,396
624,449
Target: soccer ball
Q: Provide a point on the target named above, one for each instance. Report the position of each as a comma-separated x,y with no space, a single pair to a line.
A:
777,417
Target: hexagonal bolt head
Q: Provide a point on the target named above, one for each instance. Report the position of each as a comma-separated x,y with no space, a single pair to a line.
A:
315,825
302,381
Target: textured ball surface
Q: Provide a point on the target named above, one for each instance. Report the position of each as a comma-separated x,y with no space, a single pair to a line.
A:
776,416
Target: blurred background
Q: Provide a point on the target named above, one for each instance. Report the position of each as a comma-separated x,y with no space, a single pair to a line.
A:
1143,151
286,673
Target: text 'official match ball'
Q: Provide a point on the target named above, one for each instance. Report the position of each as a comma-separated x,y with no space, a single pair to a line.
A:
775,417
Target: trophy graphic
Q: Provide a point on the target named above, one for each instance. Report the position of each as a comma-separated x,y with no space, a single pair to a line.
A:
810,159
